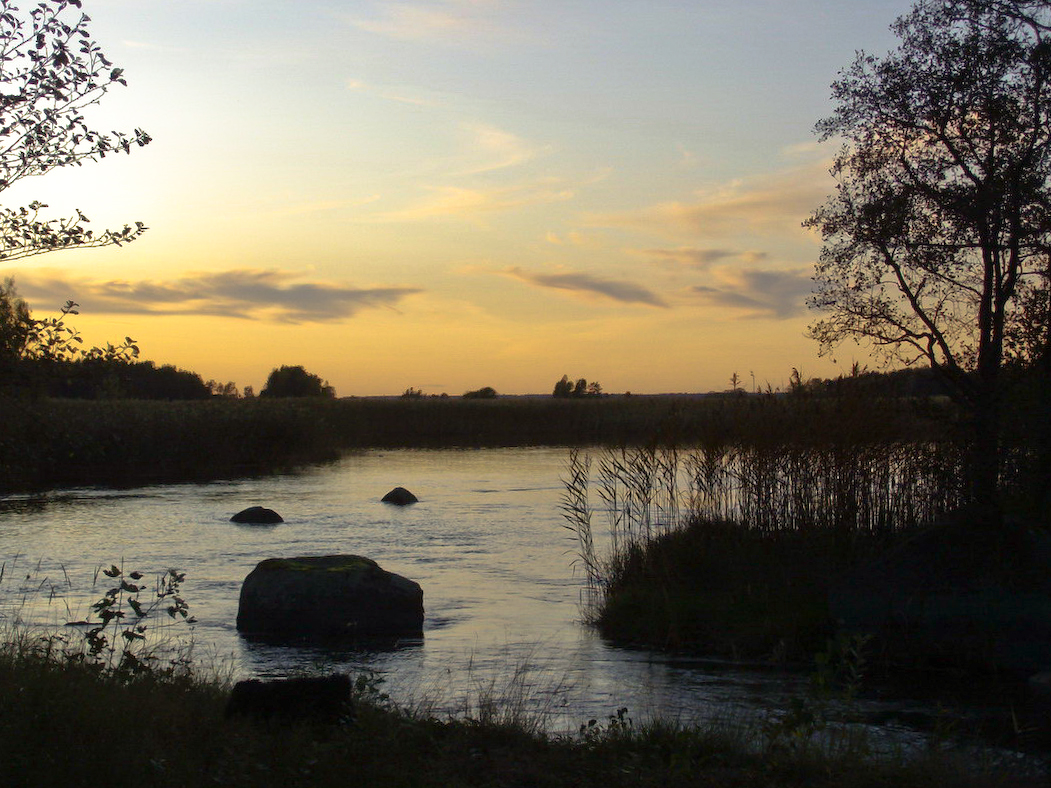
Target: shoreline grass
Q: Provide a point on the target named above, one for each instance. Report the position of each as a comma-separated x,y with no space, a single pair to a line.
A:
67,722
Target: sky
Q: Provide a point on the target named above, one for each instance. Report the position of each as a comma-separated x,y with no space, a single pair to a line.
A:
451,194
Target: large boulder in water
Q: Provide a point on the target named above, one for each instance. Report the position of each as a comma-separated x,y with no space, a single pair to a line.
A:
971,591
400,497
328,598
257,515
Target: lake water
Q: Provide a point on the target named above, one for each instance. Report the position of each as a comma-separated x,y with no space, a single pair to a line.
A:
486,542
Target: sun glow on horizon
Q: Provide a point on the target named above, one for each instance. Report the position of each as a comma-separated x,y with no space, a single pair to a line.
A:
460,195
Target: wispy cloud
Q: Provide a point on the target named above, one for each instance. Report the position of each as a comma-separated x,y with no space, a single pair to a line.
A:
251,294
589,285
467,203
701,258
572,238
323,206
775,202
145,45
687,158
759,293
399,95
440,21
499,148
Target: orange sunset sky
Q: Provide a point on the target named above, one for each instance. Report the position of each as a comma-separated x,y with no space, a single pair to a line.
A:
451,194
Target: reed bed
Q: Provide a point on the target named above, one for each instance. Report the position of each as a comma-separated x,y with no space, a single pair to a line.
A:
48,442
730,546
645,493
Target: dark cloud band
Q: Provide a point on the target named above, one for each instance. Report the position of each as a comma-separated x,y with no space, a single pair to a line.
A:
618,290
250,294
776,294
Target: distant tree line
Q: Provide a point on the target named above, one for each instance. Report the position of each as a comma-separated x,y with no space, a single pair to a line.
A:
100,379
46,357
566,388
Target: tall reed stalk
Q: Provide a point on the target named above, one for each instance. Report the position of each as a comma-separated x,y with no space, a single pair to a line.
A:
870,489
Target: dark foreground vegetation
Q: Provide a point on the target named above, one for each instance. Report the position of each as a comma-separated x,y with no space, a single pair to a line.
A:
70,722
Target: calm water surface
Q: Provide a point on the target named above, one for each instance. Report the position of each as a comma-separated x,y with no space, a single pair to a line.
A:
486,543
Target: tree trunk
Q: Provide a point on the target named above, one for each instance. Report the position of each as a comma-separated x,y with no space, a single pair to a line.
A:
984,456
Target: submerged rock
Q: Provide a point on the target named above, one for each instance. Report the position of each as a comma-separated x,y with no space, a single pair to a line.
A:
325,598
400,496
257,515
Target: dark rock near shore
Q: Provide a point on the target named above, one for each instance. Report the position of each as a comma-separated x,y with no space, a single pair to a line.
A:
324,699
258,515
400,496
970,592
328,598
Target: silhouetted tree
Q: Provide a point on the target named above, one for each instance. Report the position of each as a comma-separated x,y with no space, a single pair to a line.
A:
488,392
563,388
51,71
15,322
226,390
98,379
566,388
295,382
35,354
941,209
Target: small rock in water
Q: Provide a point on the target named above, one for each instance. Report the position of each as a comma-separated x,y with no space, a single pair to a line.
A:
257,515
400,496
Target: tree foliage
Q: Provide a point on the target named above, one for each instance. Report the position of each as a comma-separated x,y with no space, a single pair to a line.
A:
47,357
940,219
15,322
51,339
486,392
51,71
566,388
563,388
295,381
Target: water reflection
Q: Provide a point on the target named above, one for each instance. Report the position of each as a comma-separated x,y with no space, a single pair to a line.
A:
486,542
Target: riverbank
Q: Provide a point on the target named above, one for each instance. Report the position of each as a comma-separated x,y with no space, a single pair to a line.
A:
718,589
48,443
67,722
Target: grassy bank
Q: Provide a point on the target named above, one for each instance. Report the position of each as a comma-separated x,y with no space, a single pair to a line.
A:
66,722
48,443
717,588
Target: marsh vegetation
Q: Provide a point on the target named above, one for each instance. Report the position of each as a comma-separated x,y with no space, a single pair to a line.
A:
53,442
